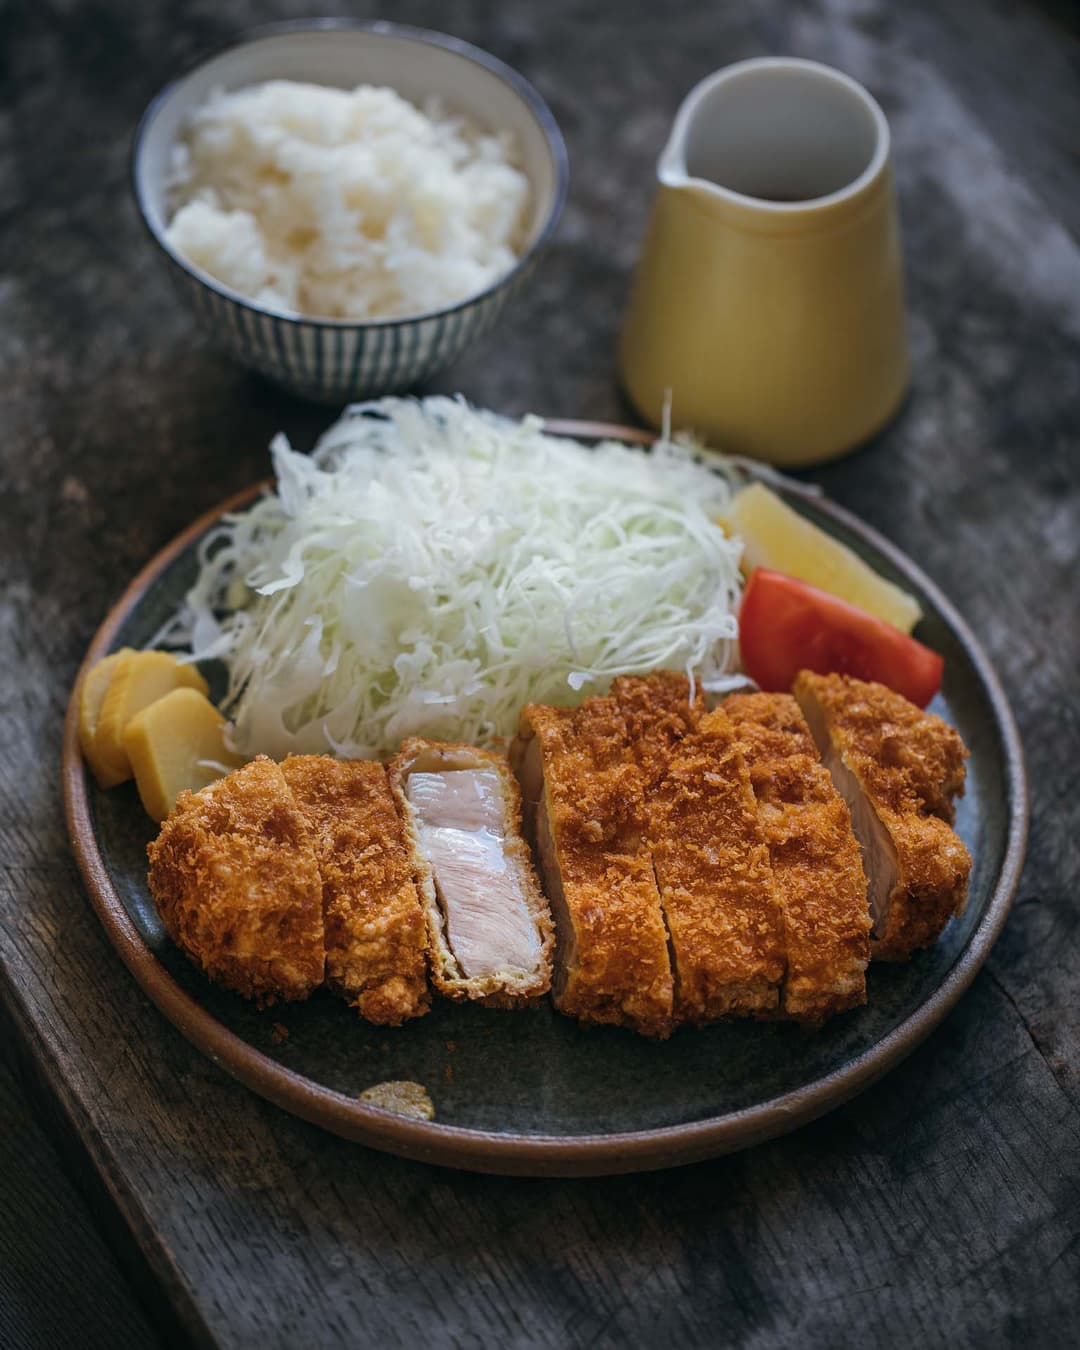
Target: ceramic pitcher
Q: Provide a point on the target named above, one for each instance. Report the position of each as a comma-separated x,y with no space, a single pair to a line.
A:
768,303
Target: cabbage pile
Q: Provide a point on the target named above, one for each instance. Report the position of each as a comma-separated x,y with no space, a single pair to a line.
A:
430,569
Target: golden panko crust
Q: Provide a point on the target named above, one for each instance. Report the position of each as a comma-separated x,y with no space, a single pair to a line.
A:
594,802
909,761
716,882
935,868
376,936
659,714
910,766
235,879
817,869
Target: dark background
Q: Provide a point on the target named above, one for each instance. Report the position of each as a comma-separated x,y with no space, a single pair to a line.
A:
140,1186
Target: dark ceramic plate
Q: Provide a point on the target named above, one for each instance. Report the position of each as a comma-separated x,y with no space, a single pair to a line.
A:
530,1092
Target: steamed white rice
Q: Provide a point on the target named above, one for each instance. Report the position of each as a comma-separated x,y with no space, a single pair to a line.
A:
344,204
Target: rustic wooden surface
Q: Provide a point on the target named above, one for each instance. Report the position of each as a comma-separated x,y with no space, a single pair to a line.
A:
943,1207
46,1232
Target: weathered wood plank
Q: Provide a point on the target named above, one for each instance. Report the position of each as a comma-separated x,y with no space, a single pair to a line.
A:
940,1207
41,1308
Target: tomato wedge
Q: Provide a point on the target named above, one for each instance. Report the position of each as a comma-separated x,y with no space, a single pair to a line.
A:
786,626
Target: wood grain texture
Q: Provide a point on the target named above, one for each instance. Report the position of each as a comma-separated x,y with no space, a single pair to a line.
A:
41,1308
940,1208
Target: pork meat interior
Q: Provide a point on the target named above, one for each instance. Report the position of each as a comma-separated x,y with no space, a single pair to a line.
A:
490,933
899,769
820,883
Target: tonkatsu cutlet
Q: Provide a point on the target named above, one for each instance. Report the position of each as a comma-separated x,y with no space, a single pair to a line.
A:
585,815
898,768
716,883
489,927
236,882
817,871
701,828
376,936
659,714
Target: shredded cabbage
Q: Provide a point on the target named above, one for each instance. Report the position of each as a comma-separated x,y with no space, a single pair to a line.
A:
430,569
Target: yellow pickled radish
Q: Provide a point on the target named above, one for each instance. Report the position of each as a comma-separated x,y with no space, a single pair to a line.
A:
776,536
92,696
138,678
177,742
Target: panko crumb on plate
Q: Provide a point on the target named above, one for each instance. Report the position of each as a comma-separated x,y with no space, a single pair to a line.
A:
402,1097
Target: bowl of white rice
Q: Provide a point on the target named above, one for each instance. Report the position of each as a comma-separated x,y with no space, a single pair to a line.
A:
347,206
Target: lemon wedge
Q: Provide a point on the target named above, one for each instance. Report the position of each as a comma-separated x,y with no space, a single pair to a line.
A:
776,536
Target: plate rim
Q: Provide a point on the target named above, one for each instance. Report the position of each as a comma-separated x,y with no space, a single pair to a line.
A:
540,1154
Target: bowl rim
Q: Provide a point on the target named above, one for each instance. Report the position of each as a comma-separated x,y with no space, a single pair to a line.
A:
514,1153
517,82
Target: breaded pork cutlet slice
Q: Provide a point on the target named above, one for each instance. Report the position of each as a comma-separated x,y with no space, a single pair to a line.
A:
685,800
659,714
489,927
899,769
585,813
235,879
716,882
376,936
817,870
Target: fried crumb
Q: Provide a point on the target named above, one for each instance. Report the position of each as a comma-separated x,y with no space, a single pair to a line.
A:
280,1033
401,1096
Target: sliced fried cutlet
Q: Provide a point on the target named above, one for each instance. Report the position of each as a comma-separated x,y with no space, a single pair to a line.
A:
899,769
682,796
235,879
817,870
376,936
716,882
489,926
585,813
659,714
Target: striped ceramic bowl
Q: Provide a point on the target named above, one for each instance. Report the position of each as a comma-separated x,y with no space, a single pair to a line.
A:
330,360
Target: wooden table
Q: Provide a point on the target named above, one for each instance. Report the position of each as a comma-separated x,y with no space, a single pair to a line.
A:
943,1207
